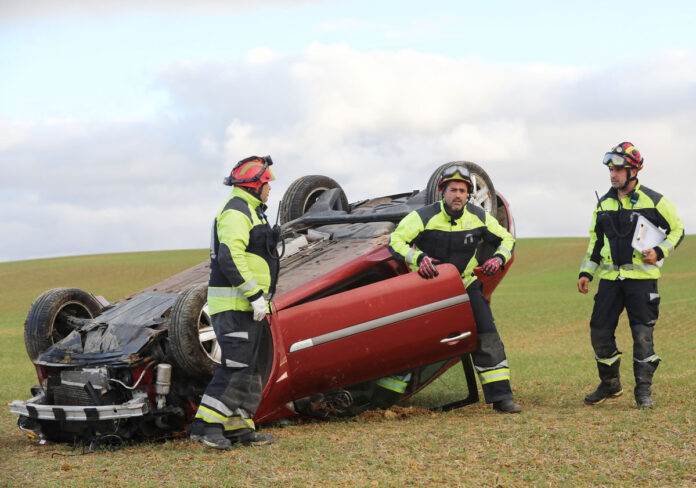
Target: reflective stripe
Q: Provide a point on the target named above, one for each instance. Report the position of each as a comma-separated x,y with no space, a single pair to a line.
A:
216,404
409,256
393,384
494,375
502,364
650,359
609,361
239,335
504,252
213,254
210,416
234,364
249,285
590,265
237,423
230,423
668,245
628,267
225,292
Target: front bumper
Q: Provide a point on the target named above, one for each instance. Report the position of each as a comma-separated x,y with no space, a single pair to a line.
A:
34,408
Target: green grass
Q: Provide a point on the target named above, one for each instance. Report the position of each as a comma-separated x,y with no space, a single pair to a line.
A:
556,441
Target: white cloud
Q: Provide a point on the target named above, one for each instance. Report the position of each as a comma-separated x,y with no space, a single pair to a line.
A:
377,122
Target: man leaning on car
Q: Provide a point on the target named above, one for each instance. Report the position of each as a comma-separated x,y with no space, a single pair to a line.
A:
243,267
448,231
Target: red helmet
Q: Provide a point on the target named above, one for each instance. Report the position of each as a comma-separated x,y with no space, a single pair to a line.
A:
456,172
251,172
624,155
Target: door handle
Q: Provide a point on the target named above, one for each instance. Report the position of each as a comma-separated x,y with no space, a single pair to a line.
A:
455,338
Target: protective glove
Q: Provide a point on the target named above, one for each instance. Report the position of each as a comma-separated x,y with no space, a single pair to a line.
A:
259,308
427,268
492,266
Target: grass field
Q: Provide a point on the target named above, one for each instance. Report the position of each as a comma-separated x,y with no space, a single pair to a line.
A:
556,441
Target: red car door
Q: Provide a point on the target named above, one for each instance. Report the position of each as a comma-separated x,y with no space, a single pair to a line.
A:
376,330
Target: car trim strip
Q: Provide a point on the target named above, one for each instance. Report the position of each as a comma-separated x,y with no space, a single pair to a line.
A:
377,323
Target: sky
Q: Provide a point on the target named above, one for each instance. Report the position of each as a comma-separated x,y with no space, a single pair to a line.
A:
119,119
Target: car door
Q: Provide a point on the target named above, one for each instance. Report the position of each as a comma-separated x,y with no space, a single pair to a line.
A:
375,330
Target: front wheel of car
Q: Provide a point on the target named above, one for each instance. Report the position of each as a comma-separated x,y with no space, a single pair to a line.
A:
48,320
483,195
193,346
304,192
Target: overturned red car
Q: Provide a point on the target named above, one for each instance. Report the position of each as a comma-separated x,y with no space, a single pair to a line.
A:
345,313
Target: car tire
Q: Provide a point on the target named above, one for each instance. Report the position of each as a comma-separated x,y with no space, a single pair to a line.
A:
484,196
46,321
193,347
302,194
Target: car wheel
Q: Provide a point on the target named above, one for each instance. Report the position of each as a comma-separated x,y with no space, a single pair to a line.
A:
483,195
304,192
47,321
193,346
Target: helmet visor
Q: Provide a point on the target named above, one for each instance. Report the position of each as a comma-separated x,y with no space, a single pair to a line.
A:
613,159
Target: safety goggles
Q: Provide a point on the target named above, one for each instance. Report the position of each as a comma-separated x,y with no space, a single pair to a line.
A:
613,159
452,171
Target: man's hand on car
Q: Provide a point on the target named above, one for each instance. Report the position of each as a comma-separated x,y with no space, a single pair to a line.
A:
259,308
492,266
427,268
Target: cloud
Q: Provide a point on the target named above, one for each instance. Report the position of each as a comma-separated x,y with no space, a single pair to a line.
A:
378,122
49,8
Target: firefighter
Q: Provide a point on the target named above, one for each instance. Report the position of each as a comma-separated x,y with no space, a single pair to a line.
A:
243,267
628,278
449,231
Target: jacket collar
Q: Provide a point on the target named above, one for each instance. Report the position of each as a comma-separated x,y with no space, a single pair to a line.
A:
248,197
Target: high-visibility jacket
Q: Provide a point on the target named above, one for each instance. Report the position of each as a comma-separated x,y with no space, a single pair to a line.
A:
430,231
242,250
610,251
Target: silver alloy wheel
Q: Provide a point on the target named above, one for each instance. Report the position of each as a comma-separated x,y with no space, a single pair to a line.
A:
481,194
206,336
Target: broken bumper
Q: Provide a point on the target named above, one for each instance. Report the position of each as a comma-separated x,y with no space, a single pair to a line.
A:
35,409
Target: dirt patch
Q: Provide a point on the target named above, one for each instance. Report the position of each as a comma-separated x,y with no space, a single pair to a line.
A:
393,413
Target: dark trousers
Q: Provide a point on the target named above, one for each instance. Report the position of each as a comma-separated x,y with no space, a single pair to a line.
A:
237,382
641,301
489,359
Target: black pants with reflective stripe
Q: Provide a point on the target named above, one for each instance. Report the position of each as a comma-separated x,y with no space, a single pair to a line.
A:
237,380
491,352
641,301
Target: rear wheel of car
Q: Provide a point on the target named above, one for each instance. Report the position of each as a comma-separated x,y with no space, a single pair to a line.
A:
193,346
483,195
304,192
47,321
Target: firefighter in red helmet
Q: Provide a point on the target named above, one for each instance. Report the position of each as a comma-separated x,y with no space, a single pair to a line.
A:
243,268
449,231
628,275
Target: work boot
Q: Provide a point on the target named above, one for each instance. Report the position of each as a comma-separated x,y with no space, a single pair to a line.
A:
210,435
603,392
644,372
506,406
253,438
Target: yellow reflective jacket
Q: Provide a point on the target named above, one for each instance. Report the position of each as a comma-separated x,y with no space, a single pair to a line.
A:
430,231
242,248
611,232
